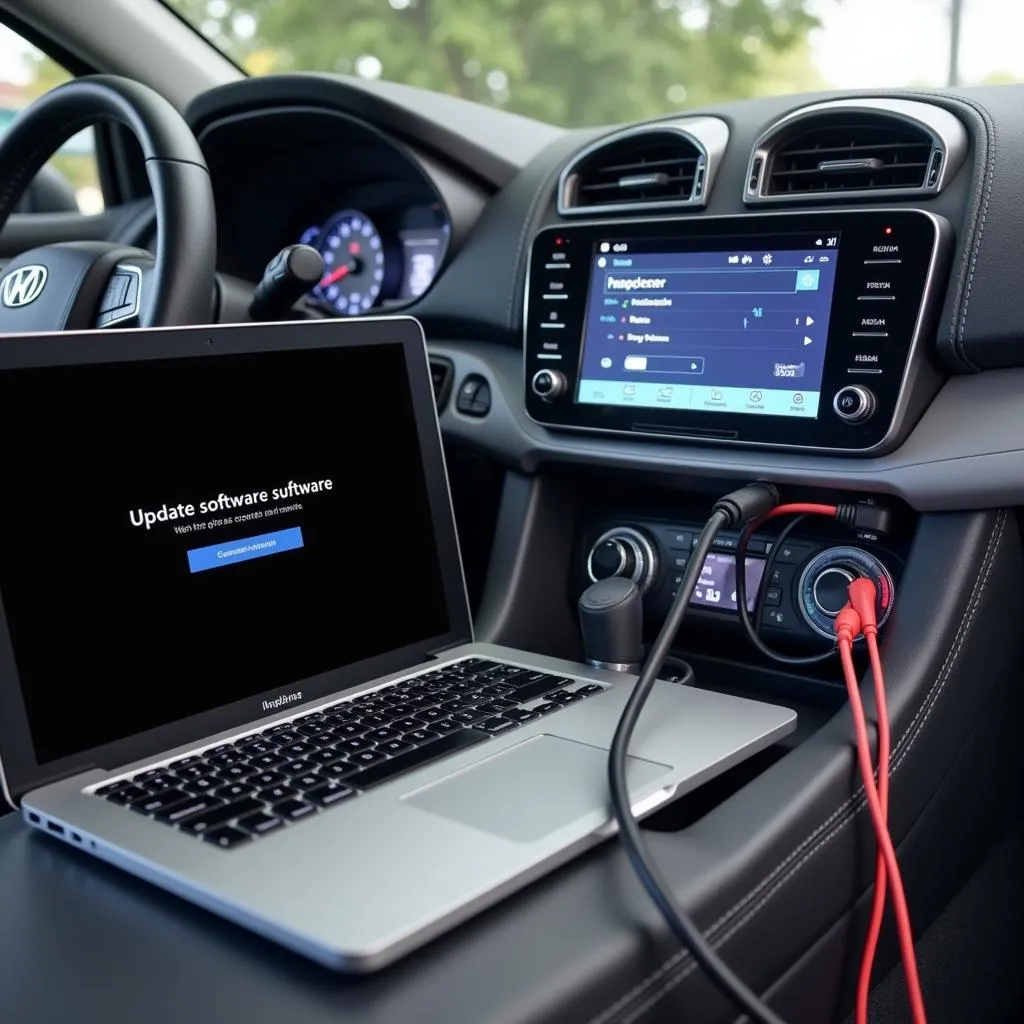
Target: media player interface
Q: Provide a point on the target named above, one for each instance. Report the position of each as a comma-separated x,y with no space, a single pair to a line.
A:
738,331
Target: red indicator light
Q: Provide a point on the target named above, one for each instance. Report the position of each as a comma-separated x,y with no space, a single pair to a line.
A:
353,247
888,231
558,241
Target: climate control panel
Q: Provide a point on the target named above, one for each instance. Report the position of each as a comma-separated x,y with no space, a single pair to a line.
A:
801,583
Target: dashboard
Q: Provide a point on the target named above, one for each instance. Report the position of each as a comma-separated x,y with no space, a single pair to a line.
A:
382,216
937,427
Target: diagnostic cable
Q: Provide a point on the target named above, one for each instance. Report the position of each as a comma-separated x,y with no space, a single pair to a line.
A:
754,505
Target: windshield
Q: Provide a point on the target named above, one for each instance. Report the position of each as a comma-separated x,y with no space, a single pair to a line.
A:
591,62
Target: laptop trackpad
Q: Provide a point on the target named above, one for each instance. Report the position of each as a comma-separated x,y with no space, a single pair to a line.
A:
532,789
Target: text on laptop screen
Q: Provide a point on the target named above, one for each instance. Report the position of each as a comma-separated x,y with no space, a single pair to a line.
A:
183,534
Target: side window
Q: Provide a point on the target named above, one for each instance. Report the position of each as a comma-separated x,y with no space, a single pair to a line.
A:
26,73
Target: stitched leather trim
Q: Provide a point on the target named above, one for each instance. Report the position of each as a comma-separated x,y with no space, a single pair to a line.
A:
681,965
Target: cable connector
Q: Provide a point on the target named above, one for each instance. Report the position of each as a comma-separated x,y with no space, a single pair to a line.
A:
864,517
751,502
863,595
847,625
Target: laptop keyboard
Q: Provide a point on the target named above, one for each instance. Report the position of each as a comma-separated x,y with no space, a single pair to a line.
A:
233,793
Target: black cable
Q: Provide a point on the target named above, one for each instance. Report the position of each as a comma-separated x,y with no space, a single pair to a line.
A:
632,839
741,594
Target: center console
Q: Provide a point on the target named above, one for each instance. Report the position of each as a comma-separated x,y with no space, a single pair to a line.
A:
782,330
806,585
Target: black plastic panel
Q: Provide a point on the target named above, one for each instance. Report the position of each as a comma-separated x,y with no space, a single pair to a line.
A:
906,298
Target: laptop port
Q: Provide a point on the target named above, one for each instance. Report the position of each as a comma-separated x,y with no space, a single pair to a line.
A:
33,817
55,828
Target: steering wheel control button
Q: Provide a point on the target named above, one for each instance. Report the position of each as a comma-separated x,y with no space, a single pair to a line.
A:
830,590
474,396
121,298
854,403
821,592
548,384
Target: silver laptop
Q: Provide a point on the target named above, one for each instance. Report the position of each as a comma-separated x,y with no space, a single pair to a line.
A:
236,655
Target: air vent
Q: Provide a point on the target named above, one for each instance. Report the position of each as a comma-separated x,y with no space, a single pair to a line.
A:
442,373
653,166
840,150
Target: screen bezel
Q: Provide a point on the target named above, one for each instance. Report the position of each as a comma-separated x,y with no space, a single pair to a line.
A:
918,307
20,771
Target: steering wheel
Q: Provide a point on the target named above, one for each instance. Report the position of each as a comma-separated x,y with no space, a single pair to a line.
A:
81,285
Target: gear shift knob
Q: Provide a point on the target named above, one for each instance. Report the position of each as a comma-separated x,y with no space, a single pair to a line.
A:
611,621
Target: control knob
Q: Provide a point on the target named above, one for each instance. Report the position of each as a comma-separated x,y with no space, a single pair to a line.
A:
548,384
854,403
822,591
622,552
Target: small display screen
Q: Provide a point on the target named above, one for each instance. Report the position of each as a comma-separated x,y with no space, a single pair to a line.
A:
717,585
741,330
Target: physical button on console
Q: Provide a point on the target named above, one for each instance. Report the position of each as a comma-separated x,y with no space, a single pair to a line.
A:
622,552
548,384
830,590
822,590
854,403
474,396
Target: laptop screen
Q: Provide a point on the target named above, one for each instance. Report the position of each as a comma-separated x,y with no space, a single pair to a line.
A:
181,534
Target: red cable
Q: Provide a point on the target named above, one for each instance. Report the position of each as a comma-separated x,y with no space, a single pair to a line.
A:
848,626
798,508
863,597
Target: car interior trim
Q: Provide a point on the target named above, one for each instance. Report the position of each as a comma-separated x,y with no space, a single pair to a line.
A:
946,131
708,135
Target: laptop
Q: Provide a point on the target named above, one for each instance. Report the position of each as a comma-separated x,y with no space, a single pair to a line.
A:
236,654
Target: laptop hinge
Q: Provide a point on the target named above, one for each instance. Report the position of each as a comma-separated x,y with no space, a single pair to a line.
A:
438,651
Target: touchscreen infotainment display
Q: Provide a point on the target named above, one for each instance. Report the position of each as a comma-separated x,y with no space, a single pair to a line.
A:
738,330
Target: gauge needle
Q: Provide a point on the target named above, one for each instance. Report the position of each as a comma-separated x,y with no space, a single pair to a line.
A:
335,275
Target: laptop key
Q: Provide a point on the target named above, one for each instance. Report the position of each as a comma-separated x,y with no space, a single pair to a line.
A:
325,756
307,781
443,726
227,837
127,795
293,810
408,724
266,779
330,793
425,735
163,780
394,747
159,801
497,725
518,715
348,729
267,760
366,757
353,745
273,794
260,823
235,791
210,817
395,766
534,688
470,716
338,770
546,708
187,808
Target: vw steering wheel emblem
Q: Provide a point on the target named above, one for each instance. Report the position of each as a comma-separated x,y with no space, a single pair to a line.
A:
23,286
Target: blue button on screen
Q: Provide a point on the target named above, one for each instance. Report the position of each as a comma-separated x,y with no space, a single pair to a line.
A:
244,549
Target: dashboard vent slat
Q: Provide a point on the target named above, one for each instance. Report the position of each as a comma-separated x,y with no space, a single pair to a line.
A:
840,149
442,374
877,153
658,165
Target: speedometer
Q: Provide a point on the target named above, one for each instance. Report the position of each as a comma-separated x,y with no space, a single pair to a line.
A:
353,254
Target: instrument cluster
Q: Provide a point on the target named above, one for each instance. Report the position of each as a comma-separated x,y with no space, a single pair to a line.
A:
376,258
